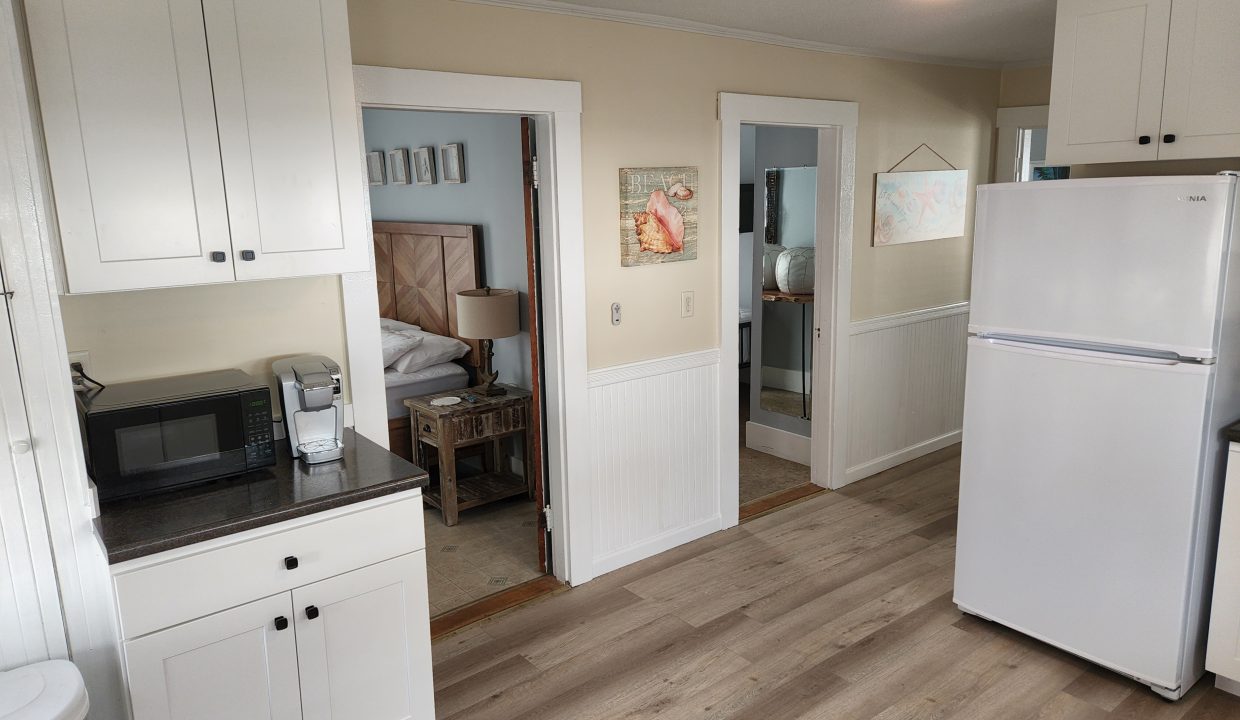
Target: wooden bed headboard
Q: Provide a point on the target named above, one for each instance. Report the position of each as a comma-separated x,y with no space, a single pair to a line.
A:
419,268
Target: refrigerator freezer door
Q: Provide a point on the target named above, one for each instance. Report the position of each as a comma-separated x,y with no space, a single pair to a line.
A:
1078,492
1133,262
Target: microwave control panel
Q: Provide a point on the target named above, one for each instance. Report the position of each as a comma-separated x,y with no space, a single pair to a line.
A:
259,444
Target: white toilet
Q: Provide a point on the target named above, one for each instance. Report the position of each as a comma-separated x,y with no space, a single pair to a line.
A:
51,690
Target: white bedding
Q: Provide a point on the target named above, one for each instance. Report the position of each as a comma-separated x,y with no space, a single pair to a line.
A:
436,378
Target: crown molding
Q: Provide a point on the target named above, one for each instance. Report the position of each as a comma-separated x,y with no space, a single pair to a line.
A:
666,23
1021,64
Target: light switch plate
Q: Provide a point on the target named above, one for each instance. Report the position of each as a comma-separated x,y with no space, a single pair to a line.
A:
686,304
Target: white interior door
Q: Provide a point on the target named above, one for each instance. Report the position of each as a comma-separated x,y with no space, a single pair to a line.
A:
363,643
1107,80
236,664
1079,482
31,628
283,80
1201,106
1130,262
126,103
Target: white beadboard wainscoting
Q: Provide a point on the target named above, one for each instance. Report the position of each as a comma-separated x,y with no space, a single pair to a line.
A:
906,387
654,462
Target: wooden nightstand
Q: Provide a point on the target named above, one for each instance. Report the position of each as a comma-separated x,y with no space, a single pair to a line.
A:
452,427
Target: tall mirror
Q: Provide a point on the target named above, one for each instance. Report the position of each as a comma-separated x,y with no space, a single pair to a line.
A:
788,290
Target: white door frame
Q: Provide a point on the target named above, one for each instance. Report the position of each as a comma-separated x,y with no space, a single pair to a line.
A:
837,150
555,106
86,612
1008,149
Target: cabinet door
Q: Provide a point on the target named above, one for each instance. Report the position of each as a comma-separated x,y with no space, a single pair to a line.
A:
1201,108
234,664
363,643
1223,646
125,96
288,136
1107,80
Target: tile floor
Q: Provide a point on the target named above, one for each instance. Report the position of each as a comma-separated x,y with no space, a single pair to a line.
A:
492,548
762,474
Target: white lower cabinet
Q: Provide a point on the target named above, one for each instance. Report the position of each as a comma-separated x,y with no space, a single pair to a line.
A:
357,643
1223,645
327,639
235,664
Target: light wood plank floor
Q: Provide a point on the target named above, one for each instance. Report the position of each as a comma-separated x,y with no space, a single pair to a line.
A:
838,607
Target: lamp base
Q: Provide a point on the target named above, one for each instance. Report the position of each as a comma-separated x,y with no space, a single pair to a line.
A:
490,390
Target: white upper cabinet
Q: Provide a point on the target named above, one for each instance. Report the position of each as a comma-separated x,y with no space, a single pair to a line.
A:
199,141
1145,80
288,136
1107,80
1201,107
130,124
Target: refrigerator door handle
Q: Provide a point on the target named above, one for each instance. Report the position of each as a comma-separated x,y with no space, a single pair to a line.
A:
1081,352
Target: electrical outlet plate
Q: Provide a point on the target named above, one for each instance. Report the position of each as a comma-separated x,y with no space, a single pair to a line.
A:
686,304
83,357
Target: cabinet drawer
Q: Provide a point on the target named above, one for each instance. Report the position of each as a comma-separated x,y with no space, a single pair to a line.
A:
199,580
426,428
484,425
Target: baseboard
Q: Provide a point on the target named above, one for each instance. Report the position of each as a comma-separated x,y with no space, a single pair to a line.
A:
656,545
900,457
780,443
1227,685
785,379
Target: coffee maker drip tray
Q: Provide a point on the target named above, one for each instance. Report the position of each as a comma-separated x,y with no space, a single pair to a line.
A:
321,450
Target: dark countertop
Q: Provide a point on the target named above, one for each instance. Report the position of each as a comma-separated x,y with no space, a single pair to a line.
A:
1231,433
135,527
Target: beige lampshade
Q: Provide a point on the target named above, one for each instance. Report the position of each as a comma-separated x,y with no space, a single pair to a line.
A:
487,314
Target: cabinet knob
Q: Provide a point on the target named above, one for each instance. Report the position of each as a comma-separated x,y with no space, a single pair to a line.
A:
426,428
219,256
20,447
1144,140
311,612
281,623
1169,138
290,562
247,254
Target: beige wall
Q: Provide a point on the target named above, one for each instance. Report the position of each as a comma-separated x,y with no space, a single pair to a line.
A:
649,98
149,333
1019,87
641,107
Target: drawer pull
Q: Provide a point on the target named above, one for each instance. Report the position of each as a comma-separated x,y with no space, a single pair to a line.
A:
426,428
1144,140
290,562
281,623
311,612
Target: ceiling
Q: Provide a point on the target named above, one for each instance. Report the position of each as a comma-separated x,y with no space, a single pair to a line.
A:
975,32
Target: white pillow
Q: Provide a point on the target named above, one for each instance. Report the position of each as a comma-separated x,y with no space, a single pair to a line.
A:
390,324
433,349
396,344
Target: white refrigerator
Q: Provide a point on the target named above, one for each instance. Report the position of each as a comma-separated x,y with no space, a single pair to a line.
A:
1103,360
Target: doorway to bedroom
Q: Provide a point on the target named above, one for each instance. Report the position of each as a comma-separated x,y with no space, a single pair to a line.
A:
454,200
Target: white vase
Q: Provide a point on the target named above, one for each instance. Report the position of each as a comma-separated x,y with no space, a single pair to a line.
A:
794,270
770,253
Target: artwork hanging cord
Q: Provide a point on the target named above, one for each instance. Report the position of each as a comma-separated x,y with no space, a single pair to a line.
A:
919,206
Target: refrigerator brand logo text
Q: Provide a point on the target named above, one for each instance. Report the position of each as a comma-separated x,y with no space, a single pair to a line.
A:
1192,198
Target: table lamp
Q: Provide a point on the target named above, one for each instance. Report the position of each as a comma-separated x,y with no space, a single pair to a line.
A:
487,314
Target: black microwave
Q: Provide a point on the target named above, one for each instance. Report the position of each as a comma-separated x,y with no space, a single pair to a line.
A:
149,435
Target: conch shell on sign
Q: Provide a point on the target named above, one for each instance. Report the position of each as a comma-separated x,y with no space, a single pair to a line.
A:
661,229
